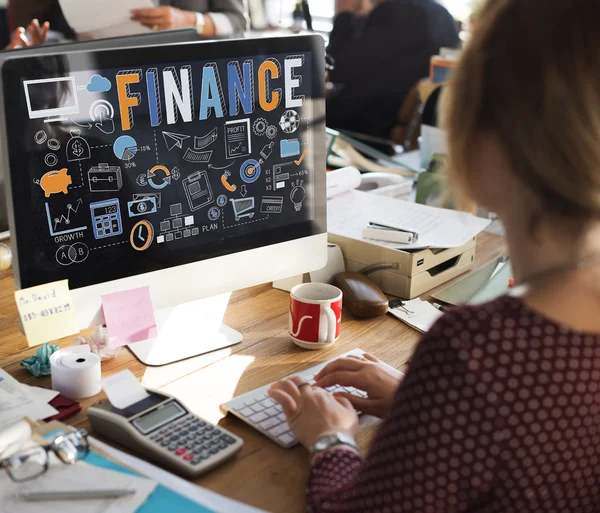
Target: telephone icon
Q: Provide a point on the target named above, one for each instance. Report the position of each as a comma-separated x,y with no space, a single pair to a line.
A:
226,184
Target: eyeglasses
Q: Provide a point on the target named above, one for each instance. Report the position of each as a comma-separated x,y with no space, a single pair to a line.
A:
31,462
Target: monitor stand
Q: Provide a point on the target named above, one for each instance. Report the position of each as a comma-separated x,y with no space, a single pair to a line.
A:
186,331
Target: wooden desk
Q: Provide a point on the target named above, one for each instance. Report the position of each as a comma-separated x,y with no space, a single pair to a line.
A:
263,474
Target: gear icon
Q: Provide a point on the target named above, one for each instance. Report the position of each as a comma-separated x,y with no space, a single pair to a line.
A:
271,131
260,126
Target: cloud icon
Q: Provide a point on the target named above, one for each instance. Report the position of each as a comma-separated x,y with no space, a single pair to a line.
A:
98,84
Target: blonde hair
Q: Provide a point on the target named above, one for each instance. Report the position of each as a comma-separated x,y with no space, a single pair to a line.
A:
530,76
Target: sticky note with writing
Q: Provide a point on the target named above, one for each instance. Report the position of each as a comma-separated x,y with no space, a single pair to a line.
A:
47,312
129,316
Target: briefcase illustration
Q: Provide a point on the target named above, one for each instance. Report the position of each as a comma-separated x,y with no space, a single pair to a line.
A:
105,178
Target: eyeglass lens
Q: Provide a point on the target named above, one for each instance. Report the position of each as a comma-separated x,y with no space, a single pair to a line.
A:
71,447
29,464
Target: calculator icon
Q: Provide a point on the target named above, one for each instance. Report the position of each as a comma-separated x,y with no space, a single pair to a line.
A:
106,218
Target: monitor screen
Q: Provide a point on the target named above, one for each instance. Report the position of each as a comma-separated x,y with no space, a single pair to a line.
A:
169,159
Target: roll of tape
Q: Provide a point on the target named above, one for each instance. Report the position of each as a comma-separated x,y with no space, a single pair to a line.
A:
76,372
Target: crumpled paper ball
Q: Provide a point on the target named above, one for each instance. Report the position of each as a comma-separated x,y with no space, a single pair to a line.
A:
39,364
99,344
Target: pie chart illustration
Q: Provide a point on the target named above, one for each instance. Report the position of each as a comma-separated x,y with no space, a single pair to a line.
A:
125,147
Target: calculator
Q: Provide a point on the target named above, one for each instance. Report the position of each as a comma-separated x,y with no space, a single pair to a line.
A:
106,218
163,430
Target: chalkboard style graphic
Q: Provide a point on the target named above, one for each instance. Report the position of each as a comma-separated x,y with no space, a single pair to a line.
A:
142,180
77,147
289,148
154,177
259,127
51,160
142,206
243,207
298,194
44,100
271,205
54,182
142,235
298,162
243,191
173,140
125,147
72,254
237,139
250,171
272,131
155,195
222,200
106,218
197,190
102,113
266,152
205,141
290,121
105,178
176,226
98,84
281,173
54,144
64,219
196,157
40,137
214,213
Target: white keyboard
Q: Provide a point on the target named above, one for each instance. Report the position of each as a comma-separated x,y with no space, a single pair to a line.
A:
266,416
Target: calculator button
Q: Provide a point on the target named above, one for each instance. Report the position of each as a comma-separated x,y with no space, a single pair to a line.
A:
190,446
184,432
217,432
228,439
164,443
188,457
201,423
209,428
179,452
173,447
195,461
214,451
222,445
193,428
174,438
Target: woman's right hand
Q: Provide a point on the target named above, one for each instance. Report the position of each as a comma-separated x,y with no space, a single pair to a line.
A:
366,373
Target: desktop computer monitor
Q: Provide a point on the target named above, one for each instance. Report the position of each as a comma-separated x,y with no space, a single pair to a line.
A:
154,38
165,176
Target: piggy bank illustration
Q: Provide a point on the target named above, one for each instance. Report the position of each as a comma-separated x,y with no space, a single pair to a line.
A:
54,182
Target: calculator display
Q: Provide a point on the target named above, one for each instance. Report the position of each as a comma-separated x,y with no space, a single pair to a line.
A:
159,417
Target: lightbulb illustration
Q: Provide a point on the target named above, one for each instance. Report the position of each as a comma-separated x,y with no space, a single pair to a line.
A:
298,194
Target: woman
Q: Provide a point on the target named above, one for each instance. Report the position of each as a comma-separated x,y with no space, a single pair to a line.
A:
499,410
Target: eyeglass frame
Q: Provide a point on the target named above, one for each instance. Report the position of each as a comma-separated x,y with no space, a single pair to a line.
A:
53,446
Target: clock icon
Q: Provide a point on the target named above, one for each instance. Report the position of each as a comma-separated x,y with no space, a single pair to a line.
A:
142,235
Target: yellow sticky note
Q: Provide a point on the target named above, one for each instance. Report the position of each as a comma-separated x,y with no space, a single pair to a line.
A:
47,312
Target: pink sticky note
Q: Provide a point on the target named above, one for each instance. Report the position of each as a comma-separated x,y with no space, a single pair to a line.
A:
129,316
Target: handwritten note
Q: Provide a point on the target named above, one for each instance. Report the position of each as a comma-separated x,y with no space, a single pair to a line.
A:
129,316
47,312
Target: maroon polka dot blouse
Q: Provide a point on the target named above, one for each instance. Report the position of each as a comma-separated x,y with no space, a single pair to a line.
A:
498,412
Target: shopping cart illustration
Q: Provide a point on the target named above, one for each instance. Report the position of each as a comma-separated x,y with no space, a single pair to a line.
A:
243,207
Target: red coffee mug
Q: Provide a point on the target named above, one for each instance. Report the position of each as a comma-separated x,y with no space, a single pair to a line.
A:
315,315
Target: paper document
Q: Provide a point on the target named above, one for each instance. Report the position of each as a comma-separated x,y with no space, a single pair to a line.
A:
349,214
81,476
47,312
17,402
123,389
108,18
129,316
342,180
418,314
199,495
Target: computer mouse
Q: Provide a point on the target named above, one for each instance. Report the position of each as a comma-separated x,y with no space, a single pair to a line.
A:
362,297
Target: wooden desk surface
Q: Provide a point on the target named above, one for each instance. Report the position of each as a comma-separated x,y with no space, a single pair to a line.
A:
263,474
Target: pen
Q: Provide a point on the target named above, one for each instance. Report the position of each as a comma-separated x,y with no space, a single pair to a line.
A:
439,307
73,495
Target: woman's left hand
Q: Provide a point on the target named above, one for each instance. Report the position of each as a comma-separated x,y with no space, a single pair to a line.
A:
164,17
34,35
312,412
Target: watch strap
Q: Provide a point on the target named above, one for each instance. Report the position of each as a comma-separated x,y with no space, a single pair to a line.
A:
332,440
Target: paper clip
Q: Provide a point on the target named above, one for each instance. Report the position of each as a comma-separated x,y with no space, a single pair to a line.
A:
400,305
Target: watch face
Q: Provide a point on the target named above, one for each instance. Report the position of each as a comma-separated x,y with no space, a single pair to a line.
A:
142,235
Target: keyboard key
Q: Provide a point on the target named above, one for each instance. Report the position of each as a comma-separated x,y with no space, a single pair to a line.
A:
273,412
268,403
281,417
257,407
280,429
269,423
258,417
247,412
286,439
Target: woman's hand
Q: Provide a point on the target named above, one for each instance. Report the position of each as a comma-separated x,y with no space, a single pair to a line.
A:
164,17
312,412
34,35
367,373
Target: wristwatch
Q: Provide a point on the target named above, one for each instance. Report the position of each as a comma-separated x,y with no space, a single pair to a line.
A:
332,440
200,23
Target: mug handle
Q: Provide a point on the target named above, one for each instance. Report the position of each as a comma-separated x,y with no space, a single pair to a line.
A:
331,324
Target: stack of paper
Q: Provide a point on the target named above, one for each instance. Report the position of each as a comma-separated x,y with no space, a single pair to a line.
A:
349,213
418,314
18,401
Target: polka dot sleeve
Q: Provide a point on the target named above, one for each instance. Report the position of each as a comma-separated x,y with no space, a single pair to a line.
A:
438,449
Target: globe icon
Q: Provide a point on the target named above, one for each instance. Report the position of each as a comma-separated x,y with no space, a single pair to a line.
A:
290,121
